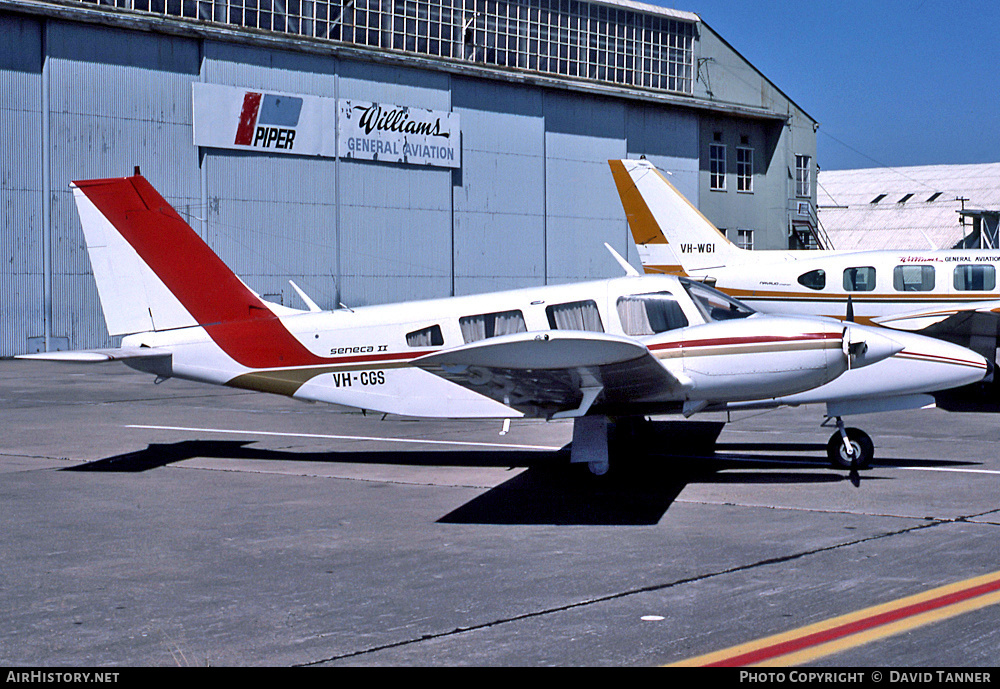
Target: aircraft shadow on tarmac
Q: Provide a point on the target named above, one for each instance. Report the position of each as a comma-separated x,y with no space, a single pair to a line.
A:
640,488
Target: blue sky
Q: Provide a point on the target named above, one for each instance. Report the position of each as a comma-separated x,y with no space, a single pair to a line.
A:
891,82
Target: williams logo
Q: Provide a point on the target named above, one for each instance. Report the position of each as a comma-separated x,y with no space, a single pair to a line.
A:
374,118
268,121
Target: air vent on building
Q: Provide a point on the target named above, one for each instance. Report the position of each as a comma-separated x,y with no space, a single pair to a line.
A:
905,198
933,197
878,198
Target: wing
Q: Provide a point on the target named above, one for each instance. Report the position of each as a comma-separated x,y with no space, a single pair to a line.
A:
975,318
557,373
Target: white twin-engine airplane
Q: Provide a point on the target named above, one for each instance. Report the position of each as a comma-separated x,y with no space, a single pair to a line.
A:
591,351
946,294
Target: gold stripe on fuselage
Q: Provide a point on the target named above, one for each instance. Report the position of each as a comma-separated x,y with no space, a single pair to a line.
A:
287,381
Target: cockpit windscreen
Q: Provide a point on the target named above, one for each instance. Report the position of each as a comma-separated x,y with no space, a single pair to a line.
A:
713,304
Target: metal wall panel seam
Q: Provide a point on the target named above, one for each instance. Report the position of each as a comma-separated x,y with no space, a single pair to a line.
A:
46,193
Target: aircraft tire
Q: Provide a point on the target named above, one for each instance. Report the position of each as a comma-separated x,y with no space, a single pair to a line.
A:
862,444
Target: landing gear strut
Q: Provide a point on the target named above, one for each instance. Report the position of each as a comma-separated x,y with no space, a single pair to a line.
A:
850,448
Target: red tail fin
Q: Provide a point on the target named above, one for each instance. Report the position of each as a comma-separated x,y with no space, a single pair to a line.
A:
163,276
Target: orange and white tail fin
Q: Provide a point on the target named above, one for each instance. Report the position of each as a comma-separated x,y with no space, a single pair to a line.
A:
153,271
671,235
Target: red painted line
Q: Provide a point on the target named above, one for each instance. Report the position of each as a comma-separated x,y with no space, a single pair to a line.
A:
248,118
864,624
760,339
947,359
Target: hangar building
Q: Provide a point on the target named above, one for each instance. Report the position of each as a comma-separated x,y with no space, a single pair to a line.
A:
916,207
376,150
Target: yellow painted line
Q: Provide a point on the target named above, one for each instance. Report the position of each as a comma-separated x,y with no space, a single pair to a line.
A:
855,629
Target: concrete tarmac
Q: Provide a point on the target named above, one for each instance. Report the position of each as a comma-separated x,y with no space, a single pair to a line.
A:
183,524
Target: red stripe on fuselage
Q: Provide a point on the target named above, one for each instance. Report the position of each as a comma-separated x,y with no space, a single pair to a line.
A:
760,339
234,317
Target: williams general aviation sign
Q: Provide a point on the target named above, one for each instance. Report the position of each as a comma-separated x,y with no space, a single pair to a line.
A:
270,122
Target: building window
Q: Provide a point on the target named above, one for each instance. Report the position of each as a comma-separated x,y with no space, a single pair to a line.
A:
744,239
803,175
975,278
574,39
859,279
717,166
744,169
913,278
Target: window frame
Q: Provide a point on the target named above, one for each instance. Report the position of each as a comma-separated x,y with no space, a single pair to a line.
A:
803,176
821,281
744,170
715,162
870,288
992,273
899,282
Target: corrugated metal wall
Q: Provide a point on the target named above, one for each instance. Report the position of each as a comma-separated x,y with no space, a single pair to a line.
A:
532,202
21,197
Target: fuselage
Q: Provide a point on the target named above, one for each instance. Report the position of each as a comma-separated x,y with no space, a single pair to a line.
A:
879,283
364,357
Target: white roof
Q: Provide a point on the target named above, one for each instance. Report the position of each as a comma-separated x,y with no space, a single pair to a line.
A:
853,219
649,9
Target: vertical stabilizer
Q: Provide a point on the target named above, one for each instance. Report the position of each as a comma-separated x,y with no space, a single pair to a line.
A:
671,235
153,271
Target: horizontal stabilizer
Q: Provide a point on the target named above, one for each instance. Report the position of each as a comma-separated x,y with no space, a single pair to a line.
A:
98,355
555,373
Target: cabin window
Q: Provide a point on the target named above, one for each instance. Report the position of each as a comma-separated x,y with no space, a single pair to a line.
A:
859,279
648,314
485,325
426,337
913,278
576,315
975,278
713,304
814,279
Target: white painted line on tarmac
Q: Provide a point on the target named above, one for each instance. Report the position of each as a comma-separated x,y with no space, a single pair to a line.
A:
824,463
346,437
952,469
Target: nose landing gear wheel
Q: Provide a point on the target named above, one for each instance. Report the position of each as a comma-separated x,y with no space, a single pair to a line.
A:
862,449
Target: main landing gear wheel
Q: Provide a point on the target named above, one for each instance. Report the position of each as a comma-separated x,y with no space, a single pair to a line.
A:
862,449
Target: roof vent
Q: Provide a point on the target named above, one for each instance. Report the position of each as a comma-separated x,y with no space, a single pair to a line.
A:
878,198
